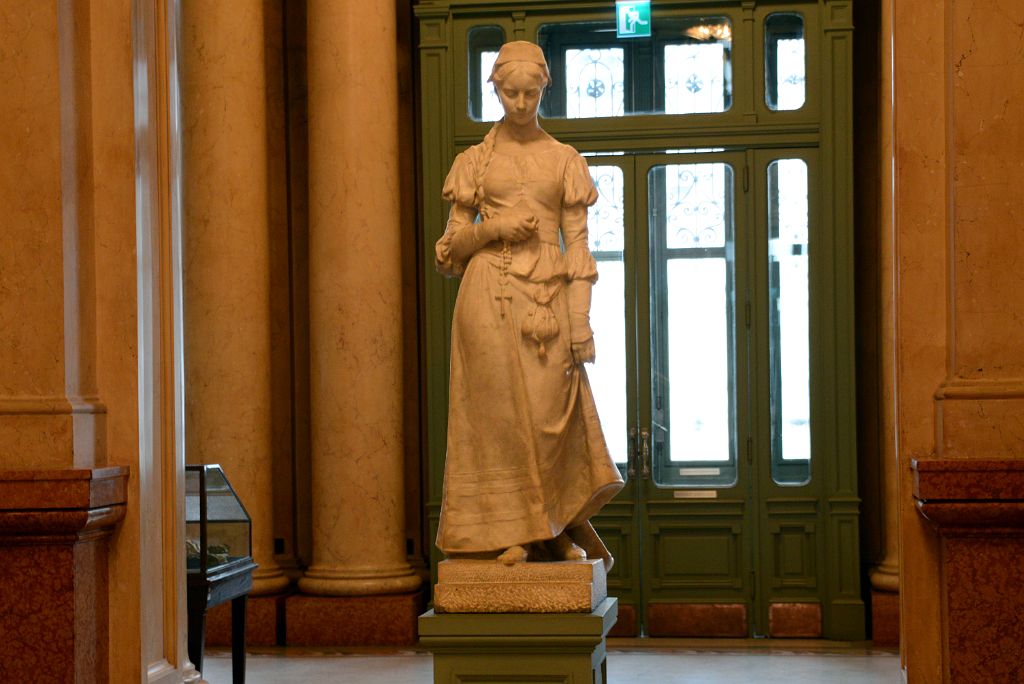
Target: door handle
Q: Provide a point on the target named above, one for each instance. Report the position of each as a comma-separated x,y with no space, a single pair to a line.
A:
631,455
645,453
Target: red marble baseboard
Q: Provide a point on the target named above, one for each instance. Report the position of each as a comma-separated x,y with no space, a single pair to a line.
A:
968,479
723,620
794,620
627,624
977,508
264,622
53,572
379,620
985,607
885,618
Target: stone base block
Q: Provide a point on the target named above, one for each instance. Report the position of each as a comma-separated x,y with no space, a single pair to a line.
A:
377,620
885,618
487,586
517,647
264,615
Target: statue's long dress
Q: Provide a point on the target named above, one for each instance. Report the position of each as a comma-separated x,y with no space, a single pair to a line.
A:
526,456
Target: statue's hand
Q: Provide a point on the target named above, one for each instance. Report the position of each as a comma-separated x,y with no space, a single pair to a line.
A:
514,225
584,352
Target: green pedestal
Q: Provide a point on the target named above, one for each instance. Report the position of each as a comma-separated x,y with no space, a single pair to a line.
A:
519,647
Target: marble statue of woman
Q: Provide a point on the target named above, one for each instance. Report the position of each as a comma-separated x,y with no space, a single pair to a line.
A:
527,464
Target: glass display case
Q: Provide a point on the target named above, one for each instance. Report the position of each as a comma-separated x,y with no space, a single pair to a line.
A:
218,556
218,531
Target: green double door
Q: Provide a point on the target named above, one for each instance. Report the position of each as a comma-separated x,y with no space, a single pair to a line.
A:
713,386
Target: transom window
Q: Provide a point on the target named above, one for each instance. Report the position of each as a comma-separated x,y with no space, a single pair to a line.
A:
685,68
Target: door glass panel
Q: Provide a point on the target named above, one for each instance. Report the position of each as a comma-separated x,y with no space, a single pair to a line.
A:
484,42
605,224
685,68
692,323
593,83
789,318
492,109
695,205
784,62
695,77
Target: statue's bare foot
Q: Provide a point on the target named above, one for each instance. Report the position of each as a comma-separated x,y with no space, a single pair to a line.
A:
513,555
566,549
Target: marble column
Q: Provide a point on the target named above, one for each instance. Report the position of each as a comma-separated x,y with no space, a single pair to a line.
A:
226,259
355,294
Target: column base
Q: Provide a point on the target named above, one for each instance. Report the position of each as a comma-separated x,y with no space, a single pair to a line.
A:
885,618
268,582
328,582
264,622
369,620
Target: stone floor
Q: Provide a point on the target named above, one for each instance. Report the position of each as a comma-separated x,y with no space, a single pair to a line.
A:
636,661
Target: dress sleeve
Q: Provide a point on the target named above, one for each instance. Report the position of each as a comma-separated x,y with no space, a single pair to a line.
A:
578,194
460,190
579,262
460,185
577,185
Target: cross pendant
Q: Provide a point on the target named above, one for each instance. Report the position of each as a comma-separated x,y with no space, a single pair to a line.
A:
501,297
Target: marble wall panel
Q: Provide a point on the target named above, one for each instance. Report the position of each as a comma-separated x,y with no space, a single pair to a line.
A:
34,425
114,217
31,265
958,81
36,441
987,55
981,427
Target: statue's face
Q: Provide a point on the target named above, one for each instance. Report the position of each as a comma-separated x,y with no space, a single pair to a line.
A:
520,93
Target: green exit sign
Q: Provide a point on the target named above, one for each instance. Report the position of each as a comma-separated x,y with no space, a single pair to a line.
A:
633,18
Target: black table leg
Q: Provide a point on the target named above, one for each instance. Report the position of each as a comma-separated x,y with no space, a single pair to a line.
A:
196,636
238,639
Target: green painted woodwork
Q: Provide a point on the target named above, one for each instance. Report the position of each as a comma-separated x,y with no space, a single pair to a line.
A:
757,542
504,647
